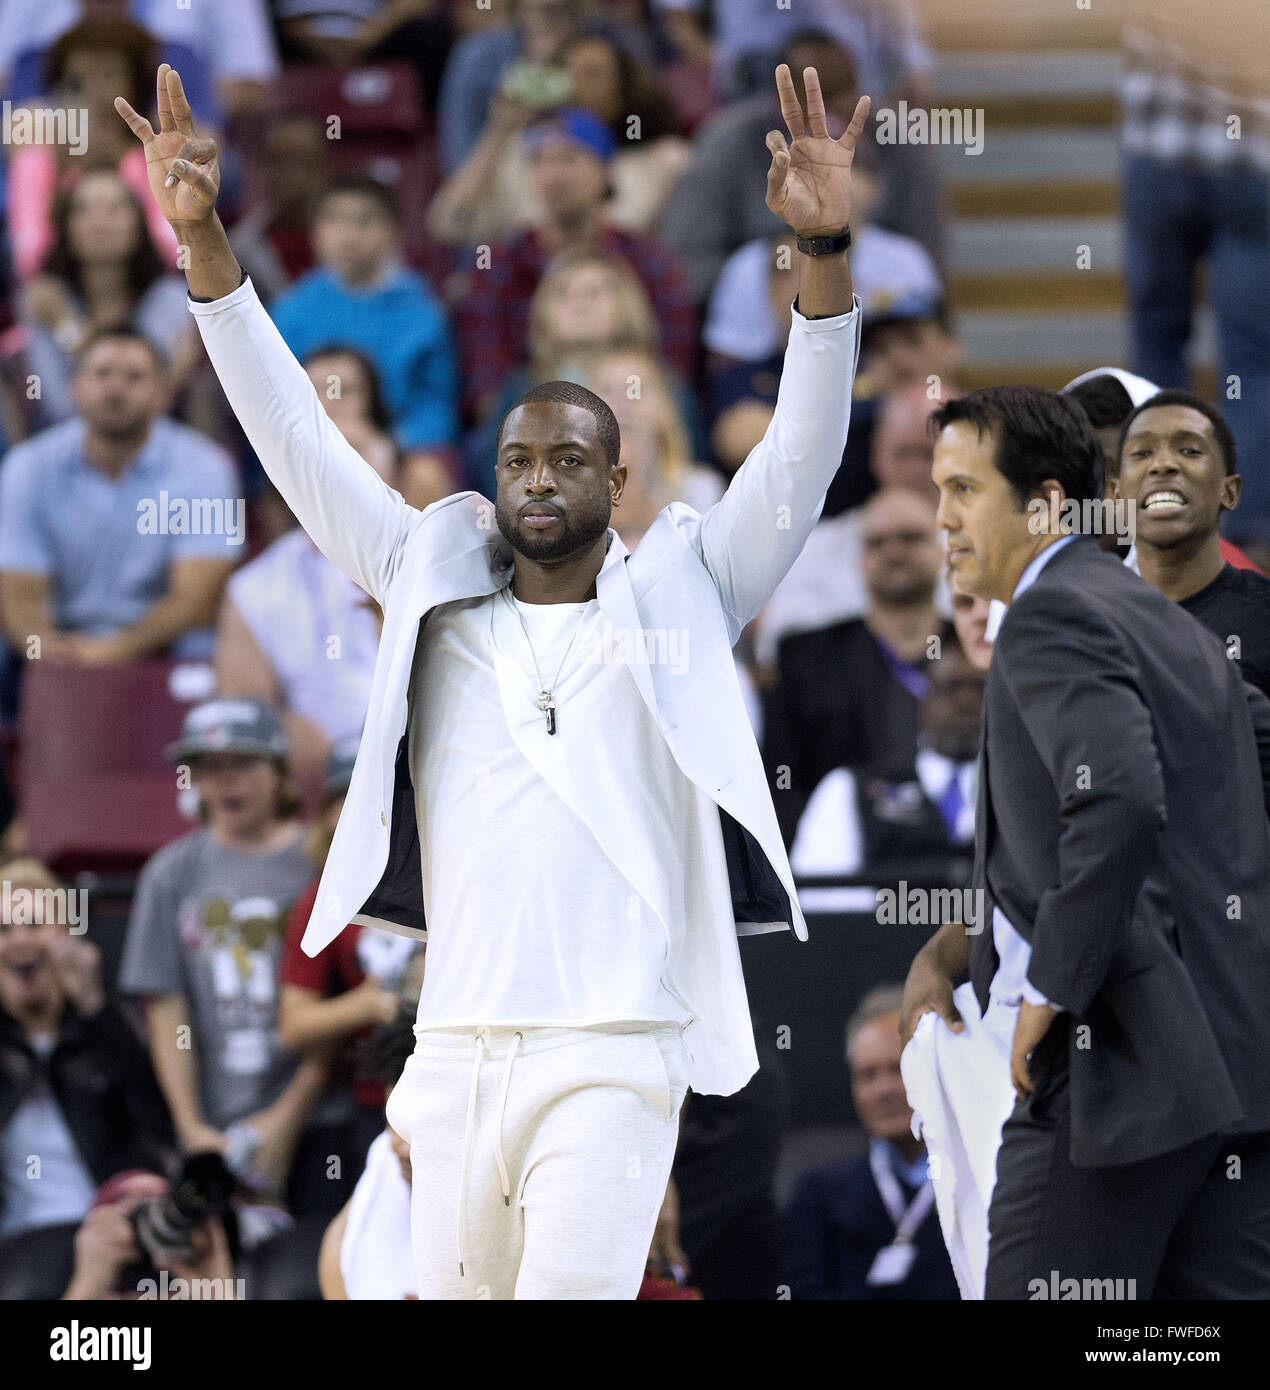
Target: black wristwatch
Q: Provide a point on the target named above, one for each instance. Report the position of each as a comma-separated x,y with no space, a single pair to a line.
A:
198,298
825,245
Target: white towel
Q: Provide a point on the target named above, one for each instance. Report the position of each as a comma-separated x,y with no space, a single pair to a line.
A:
375,1257
959,1087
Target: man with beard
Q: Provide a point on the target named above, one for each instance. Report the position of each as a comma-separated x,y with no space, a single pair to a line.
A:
105,550
1178,467
848,694
920,811
557,781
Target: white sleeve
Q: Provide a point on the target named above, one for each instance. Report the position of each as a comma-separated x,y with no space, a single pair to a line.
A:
353,517
749,539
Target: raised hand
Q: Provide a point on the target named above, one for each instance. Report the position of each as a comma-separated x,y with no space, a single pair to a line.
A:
184,170
809,183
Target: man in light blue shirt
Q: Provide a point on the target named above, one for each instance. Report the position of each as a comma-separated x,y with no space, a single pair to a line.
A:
119,527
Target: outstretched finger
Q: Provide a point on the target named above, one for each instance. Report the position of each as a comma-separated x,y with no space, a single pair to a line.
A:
182,116
816,125
851,136
780,161
162,103
791,111
139,126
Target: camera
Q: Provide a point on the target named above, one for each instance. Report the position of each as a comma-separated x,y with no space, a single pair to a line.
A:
162,1225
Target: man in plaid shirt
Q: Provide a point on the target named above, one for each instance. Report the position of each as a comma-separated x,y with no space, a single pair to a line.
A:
570,151
1197,188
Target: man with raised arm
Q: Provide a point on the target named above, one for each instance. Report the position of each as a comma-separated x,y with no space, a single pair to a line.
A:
557,773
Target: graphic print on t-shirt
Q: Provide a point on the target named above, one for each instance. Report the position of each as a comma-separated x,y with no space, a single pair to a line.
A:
237,942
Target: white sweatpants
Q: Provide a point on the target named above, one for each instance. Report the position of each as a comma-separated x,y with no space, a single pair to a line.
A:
539,1156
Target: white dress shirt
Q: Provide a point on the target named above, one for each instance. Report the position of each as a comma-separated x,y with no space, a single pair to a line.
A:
1010,983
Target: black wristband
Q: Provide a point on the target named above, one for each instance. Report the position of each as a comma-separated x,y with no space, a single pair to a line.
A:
198,298
825,245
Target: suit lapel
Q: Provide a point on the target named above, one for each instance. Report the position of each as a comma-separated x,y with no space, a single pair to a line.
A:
983,953
622,629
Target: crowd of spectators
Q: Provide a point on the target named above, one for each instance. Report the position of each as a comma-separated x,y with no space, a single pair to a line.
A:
561,189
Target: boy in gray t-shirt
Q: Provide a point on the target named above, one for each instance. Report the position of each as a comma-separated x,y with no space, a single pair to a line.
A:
205,942
208,922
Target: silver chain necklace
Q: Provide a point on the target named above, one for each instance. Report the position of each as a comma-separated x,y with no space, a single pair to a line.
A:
546,695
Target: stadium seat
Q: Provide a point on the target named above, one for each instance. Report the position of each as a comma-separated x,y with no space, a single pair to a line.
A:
691,95
95,790
381,99
385,132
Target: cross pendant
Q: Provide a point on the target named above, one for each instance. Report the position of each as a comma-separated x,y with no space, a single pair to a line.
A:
548,708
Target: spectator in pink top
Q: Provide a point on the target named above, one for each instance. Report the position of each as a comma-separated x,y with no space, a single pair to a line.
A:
88,67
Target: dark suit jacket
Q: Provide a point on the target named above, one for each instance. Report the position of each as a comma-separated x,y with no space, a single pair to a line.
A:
100,1075
835,1226
837,704
1122,829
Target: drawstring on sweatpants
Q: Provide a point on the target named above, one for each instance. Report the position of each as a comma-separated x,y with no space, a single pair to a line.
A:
498,1133
482,1037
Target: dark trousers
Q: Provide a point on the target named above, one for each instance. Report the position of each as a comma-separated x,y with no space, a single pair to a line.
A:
1194,1223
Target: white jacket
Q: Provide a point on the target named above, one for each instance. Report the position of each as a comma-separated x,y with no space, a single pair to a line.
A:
706,574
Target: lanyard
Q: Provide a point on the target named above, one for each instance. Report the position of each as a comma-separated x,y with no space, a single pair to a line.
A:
916,682
907,1219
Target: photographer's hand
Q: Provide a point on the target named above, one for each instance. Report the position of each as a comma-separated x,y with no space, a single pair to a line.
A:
212,1259
104,1244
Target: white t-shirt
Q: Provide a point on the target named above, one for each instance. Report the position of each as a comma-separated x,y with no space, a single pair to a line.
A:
529,920
316,629
740,321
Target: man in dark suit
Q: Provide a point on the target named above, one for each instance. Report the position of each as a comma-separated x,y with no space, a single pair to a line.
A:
848,694
866,1228
1123,845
